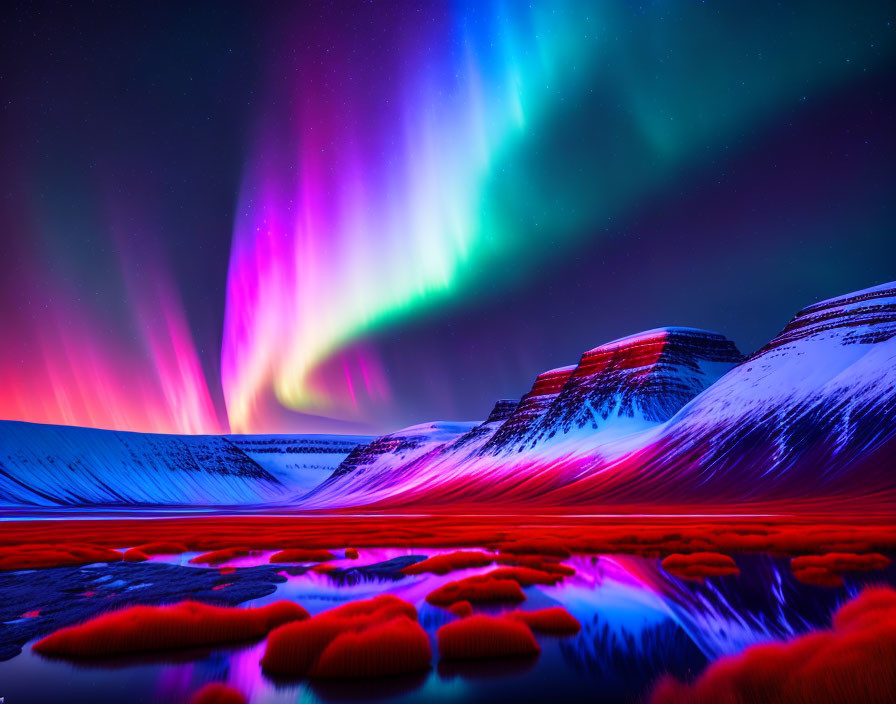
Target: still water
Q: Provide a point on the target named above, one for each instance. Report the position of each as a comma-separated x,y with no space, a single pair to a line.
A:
638,623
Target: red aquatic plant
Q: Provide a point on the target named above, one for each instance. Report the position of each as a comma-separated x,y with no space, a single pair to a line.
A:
450,562
145,629
537,562
480,637
217,557
301,555
855,661
370,638
31,557
477,589
525,576
825,570
536,546
461,609
396,647
162,548
218,693
818,577
546,538
555,620
698,565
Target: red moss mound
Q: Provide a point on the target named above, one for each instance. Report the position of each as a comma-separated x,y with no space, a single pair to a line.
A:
536,546
32,557
841,561
300,555
525,576
555,620
218,693
135,555
481,637
477,589
818,577
854,662
217,557
161,548
873,602
461,609
145,629
536,562
371,638
825,570
324,568
697,565
449,562
397,647
351,553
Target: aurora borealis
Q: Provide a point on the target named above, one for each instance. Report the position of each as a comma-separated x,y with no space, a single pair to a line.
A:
365,215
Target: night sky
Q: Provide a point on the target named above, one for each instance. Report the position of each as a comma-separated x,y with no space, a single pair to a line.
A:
358,216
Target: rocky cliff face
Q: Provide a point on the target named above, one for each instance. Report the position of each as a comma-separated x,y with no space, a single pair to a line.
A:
646,377
518,427
476,437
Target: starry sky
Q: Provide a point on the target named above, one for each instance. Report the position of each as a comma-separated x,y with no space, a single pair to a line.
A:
355,216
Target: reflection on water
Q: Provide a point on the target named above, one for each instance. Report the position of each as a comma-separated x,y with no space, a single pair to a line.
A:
637,623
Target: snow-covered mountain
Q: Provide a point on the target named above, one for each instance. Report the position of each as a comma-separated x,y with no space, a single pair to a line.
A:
618,389
49,465
812,413
300,462
667,418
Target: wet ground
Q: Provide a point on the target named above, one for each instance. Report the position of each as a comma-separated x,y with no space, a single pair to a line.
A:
638,623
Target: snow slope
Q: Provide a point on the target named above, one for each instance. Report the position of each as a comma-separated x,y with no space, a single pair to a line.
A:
616,390
666,418
47,465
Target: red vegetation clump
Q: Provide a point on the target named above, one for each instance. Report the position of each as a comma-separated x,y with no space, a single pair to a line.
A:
825,570
39,556
351,553
461,609
536,562
218,693
324,568
217,557
146,629
450,562
536,546
525,576
371,638
555,620
396,647
853,662
301,555
135,555
818,577
481,637
698,565
477,589
162,548
535,542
